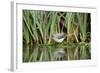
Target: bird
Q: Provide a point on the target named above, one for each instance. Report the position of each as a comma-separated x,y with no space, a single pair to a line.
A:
58,37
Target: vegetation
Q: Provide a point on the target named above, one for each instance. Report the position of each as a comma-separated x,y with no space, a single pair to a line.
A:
56,36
